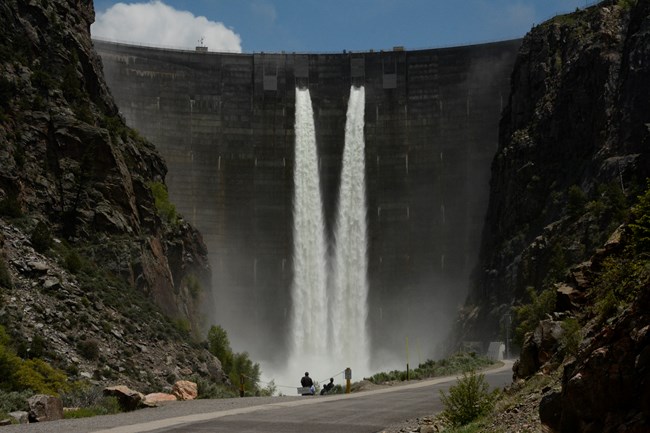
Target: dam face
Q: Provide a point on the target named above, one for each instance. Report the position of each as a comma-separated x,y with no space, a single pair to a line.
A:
225,125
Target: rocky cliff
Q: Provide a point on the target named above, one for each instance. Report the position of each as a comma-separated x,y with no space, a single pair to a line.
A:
573,153
89,241
565,249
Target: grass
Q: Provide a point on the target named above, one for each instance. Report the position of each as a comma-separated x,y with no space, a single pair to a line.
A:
458,363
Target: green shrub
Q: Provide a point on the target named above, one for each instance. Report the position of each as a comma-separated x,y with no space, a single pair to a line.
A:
73,262
571,336
89,349
529,315
39,376
619,282
640,225
234,364
5,276
41,238
43,81
9,363
183,327
82,394
37,347
11,401
458,363
103,406
576,201
193,286
208,389
243,366
166,209
469,399
10,207
219,346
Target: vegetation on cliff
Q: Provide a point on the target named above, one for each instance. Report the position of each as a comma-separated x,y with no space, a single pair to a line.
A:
565,251
100,279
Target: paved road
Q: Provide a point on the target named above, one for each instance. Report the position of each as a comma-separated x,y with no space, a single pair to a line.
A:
363,412
369,411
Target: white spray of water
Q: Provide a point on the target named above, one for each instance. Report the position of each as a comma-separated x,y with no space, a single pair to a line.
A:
309,326
348,305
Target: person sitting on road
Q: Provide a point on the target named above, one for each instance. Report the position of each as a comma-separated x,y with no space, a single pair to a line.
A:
306,382
327,387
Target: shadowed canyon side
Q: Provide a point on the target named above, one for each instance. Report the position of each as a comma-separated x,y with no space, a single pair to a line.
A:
92,269
574,130
225,124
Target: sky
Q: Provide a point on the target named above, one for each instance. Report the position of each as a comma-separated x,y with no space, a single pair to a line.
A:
320,25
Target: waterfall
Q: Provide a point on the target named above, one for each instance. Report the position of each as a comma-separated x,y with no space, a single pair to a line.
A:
309,307
348,304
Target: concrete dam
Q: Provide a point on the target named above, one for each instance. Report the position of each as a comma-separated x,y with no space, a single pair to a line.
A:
226,125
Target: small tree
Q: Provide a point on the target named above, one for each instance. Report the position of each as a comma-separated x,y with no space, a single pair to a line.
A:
469,399
219,346
641,222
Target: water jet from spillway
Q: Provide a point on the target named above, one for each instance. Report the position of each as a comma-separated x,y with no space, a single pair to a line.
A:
309,287
349,300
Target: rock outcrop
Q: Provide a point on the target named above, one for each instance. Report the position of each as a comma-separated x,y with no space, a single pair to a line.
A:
87,238
185,390
607,387
573,156
573,146
44,408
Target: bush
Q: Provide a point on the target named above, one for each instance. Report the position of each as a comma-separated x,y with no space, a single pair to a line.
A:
571,336
90,401
193,286
73,262
166,209
458,363
641,222
9,363
10,207
469,399
89,349
41,238
234,364
576,201
529,315
208,389
5,276
11,401
39,376
219,346
243,366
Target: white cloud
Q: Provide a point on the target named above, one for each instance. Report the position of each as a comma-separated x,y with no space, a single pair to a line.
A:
158,24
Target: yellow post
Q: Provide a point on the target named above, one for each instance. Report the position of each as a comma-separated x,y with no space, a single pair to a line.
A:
348,377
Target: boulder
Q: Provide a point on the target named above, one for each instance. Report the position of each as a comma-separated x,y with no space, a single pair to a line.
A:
128,398
21,416
158,397
185,390
550,410
44,408
568,298
539,347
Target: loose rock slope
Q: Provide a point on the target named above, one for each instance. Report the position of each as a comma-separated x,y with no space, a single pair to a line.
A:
99,275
